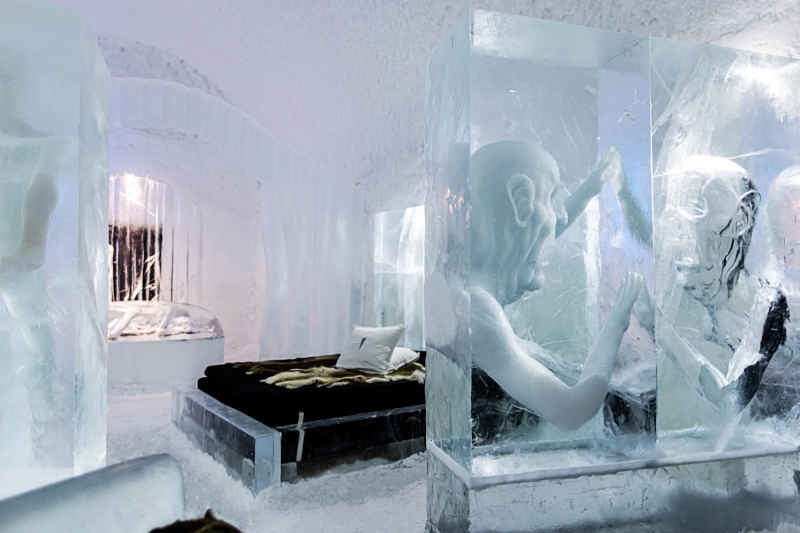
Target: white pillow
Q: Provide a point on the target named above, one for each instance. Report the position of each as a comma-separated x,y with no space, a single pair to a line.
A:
401,357
369,350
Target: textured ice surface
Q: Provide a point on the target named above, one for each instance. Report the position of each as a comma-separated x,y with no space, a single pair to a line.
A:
155,235
53,245
729,494
311,230
249,450
148,321
529,248
399,264
134,496
726,135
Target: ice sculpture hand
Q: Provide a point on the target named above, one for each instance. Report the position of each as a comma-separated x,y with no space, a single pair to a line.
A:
591,187
645,311
732,391
496,351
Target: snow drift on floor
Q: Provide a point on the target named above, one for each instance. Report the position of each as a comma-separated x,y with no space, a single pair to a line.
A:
370,497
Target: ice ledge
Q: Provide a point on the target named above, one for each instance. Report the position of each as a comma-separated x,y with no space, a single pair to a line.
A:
479,482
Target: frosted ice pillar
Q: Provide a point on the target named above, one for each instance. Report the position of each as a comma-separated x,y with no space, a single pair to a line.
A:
539,242
53,245
726,145
399,264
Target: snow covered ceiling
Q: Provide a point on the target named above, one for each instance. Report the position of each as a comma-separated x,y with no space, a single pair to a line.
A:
343,80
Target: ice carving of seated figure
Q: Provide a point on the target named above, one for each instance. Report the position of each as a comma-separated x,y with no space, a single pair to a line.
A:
29,161
516,216
707,226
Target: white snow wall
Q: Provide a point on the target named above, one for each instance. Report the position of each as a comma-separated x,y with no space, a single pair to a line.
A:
310,224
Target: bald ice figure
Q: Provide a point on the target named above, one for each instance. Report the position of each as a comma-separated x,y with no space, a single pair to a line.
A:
516,216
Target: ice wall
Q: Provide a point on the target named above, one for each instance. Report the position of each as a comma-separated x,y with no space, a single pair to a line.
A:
399,263
53,245
271,213
538,244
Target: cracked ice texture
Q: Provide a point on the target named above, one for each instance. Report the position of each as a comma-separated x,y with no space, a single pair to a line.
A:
740,107
53,319
399,264
573,91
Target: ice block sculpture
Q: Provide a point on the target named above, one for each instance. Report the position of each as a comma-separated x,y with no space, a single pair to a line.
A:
399,265
726,145
538,246
53,246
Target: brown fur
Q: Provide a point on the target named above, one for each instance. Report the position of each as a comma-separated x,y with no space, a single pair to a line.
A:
208,524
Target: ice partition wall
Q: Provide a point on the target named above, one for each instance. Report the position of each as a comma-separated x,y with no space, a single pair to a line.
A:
538,245
155,236
53,242
399,265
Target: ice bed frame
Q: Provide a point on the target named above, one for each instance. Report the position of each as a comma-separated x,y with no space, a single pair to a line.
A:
259,455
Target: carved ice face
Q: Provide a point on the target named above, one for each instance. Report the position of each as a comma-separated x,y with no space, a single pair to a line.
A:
712,221
516,204
548,210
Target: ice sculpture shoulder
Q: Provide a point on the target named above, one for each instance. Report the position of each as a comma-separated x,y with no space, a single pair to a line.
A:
516,215
707,225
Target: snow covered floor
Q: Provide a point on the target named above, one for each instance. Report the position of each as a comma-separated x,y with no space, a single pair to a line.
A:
372,497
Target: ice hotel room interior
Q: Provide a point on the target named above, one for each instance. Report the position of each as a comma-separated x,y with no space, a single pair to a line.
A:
403,266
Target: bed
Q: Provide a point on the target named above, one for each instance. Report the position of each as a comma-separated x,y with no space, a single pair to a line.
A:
265,433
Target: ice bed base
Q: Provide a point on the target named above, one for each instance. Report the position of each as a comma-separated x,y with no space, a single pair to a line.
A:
733,492
261,456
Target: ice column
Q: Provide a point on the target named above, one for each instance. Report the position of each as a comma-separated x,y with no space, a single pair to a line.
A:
726,145
53,245
538,246
399,263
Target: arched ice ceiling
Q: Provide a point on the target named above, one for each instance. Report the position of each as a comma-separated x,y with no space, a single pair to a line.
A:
343,80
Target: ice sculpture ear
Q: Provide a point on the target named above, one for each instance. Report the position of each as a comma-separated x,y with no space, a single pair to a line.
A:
521,192
746,212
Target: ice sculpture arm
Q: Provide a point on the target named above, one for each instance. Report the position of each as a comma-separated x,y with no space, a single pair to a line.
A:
766,332
639,225
37,213
496,351
732,392
591,187
688,360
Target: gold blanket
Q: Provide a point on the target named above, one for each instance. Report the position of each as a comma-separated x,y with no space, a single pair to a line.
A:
312,373
326,376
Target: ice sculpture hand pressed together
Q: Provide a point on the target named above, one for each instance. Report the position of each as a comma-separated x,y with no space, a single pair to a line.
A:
53,219
515,217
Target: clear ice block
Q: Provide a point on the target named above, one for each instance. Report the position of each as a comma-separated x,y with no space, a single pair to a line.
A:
249,450
726,135
729,493
134,496
539,242
53,245
399,264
